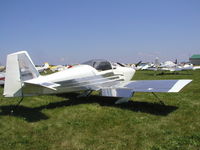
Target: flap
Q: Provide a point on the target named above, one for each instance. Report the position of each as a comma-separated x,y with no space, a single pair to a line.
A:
117,92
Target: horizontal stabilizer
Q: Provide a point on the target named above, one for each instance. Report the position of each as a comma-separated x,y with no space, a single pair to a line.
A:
156,85
49,85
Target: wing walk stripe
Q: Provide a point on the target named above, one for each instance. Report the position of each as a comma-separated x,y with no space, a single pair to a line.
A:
83,81
94,82
97,84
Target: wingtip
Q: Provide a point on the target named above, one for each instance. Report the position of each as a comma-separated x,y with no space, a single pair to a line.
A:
179,85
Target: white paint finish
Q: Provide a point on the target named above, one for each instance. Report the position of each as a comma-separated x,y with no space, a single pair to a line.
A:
15,65
179,85
156,85
12,85
126,72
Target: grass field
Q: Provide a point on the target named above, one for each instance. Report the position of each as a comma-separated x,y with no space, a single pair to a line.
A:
94,123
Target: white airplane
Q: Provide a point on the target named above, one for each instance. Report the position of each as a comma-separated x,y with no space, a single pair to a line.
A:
144,66
178,67
22,79
58,68
42,68
196,67
171,66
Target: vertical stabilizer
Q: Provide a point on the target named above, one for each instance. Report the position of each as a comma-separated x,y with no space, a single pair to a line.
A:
19,68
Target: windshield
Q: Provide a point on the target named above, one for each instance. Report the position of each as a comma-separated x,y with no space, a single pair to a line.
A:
99,64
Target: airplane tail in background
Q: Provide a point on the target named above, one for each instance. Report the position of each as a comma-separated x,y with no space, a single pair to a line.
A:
19,68
46,65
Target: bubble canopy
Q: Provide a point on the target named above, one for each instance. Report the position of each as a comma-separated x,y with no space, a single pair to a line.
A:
99,64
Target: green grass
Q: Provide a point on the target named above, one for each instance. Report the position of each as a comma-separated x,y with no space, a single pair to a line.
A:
55,122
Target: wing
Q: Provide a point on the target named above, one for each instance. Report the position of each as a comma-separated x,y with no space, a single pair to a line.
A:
157,85
128,88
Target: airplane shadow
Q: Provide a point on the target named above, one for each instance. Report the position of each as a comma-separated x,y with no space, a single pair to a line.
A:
27,113
35,114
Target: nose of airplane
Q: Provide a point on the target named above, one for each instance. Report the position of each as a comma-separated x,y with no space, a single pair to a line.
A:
128,73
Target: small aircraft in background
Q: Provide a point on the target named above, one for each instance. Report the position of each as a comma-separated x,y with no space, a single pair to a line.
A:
166,66
43,68
23,79
58,68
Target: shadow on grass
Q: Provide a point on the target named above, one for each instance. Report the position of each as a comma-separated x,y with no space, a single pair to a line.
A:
27,113
35,114
160,73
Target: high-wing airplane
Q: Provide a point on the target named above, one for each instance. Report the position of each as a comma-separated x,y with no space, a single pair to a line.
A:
23,79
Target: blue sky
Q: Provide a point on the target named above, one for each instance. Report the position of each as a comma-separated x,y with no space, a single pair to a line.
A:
73,31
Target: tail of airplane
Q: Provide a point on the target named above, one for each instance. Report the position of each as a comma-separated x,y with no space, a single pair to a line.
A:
46,65
19,68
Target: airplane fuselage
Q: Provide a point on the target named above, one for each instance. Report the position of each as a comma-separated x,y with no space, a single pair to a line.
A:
78,78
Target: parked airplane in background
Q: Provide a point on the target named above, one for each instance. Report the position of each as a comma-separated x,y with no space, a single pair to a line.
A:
58,68
43,68
23,79
166,66
170,66
2,68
